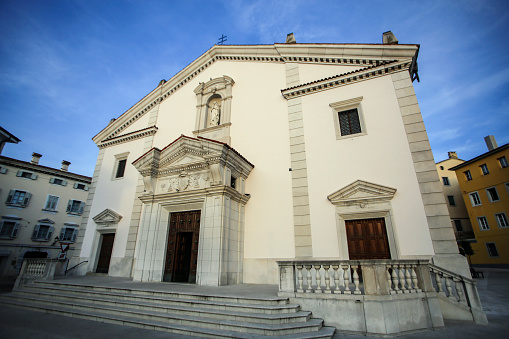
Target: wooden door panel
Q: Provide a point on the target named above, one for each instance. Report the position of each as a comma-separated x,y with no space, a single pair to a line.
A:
103,263
367,239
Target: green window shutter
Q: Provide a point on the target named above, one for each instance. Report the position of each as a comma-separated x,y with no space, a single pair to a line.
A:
50,232
64,183
52,180
36,230
62,233
82,207
26,200
86,187
74,235
9,197
54,203
34,176
15,230
69,206
3,170
75,185
19,173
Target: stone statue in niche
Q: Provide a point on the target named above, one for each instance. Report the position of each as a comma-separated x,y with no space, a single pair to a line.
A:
215,111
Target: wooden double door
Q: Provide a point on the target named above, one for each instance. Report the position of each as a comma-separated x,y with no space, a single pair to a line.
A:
103,263
182,249
367,239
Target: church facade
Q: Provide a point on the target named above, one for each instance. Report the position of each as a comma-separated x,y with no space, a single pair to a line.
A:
254,154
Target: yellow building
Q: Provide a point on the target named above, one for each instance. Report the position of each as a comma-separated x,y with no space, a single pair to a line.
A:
484,182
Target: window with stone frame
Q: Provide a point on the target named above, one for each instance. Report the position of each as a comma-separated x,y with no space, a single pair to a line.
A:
42,232
475,199
75,207
58,181
9,228
502,220
18,198
349,122
348,118
492,194
120,166
483,223
503,162
26,175
492,249
51,203
68,234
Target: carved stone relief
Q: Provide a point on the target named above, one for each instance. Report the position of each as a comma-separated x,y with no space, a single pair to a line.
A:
185,181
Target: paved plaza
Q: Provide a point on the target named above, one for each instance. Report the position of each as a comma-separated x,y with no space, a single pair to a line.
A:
23,324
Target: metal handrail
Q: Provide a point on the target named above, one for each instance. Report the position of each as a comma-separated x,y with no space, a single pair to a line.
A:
70,269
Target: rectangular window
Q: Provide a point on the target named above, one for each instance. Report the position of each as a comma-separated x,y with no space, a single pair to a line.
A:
68,234
446,181
483,223
75,207
502,220
492,194
492,249
18,198
51,203
80,186
233,182
42,232
484,169
503,162
349,122
457,224
474,199
121,168
9,229
452,202
468,175
26,175
58,181
3,169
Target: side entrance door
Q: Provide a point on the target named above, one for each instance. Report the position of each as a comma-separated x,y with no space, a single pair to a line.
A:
103,264
182,250
367,239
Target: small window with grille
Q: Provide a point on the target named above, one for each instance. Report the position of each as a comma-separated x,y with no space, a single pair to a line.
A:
348,118
349,122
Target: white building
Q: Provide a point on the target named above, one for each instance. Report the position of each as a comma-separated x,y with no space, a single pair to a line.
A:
253,154
40,207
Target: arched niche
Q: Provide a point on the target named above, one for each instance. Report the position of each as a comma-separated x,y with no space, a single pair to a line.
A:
213,109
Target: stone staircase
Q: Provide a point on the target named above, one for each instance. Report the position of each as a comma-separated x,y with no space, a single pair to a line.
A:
194,314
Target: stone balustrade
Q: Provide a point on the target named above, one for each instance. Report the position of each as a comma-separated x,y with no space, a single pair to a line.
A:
39,269
357,277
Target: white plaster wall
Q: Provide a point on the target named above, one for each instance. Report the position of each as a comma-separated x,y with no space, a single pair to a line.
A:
117,195
259,132
141,123
382,157
312,72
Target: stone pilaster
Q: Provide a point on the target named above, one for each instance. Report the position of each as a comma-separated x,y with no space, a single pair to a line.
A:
301,211
437,214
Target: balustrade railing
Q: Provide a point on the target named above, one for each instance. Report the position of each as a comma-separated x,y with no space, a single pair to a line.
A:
449,284
38,269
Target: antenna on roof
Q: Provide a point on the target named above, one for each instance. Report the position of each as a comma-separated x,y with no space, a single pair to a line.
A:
222,39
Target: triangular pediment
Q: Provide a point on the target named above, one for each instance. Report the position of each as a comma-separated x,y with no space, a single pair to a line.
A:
362,191
107,217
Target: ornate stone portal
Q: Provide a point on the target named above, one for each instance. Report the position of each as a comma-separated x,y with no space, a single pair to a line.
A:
193,174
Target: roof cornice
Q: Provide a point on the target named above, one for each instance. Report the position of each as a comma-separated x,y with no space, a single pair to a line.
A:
349,54
479,157
128,137
346,78
43,169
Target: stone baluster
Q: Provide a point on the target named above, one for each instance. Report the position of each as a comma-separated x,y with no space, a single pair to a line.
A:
459,290
395,279
346,279
328,278
402,279
449,286
318,279
335,269
438,277
356,280
299,277
408,278
414,279
389,280
308,276
41,268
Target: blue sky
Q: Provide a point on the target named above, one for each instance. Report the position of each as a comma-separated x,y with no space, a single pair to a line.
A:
68,67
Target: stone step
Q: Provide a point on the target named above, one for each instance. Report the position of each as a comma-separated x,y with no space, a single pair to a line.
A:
195,310
180,295
185,325
53,289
